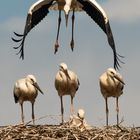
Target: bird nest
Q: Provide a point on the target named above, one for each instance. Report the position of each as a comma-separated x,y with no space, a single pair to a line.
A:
65,132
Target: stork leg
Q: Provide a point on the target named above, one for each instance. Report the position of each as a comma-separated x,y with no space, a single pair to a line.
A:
72,40
33,116
22,115
117,109
107,111
56,43
71,107
62,109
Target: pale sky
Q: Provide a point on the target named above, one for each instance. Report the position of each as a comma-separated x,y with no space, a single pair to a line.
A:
91,57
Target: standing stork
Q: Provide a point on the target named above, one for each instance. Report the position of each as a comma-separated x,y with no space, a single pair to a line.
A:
66,83
111,85
26,89
41,8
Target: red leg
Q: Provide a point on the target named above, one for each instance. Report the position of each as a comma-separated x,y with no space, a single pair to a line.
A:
58,29
107,111
22,114
72,40
33,116
117,109
71,107
62,109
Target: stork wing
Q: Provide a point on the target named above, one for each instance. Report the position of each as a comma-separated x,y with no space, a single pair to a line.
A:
95,11
35,14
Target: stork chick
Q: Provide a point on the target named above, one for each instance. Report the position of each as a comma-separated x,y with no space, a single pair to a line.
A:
111,85
66,83
26,89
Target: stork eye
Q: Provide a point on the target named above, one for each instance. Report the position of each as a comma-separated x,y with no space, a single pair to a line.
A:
61,68
32,80
112,72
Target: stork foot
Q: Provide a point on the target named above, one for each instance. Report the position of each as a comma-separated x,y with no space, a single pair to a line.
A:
62,122
56,47
72,44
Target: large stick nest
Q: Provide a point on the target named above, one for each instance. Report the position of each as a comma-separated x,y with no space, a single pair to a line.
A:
65,132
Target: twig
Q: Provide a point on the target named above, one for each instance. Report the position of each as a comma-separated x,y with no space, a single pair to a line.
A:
40,118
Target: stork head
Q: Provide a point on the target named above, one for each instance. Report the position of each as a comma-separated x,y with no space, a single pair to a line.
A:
81,113
114,75
63,67
32,80
111,72
66,11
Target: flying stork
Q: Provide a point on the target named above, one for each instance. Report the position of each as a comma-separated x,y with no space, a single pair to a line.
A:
66,83
41,8
111,85
26,89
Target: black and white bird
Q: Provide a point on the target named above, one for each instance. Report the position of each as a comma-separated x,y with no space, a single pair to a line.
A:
66,83
26,89
41,8
111,85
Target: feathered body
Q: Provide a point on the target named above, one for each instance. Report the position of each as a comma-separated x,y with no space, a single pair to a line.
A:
26,89
66,83
111,85
66,86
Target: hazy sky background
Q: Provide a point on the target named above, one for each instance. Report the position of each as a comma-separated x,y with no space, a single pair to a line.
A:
91,57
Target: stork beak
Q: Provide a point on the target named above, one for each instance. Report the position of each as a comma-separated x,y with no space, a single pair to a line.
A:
119,79
37,87
66,18
66,72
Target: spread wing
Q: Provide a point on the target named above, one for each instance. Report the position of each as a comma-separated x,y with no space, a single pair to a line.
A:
95,11
35,14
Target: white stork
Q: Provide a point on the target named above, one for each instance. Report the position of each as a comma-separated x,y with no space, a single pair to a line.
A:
41,8
111,85
66,83
26,89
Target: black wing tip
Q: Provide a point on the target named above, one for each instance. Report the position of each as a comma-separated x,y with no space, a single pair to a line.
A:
16,40
117,61
21,53
21,46
19,35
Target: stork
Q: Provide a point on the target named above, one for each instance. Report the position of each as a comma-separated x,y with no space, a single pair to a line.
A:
66,83
111,85
26,89
41,8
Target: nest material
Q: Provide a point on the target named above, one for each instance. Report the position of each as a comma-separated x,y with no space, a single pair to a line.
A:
65,132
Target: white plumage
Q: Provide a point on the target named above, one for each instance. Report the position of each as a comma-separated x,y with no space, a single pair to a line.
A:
66,83
41,8
111,85
26,89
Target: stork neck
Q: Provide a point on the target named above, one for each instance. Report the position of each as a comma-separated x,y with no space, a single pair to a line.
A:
26,83
110,80
68,2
